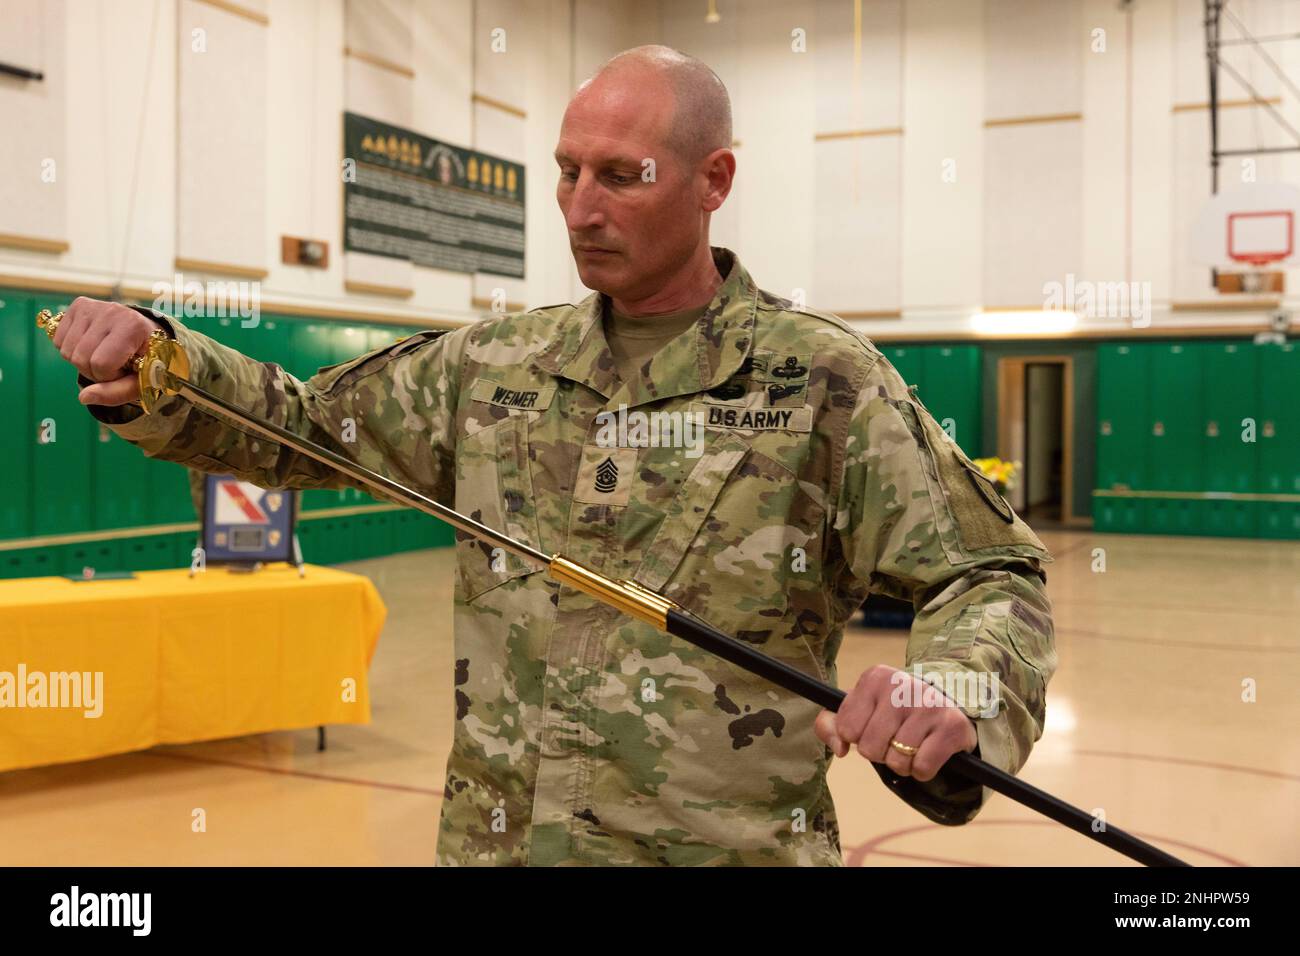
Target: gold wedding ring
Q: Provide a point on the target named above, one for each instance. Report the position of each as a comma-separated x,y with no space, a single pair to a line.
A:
904,748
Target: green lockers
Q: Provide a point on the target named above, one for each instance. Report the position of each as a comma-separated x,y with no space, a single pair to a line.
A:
1175,457
16,564
98,556
349,342
311,348
1175,418
1278,435
62,433
89,479
229,331
45,562
1123,415
152,552
122,498
1175,460
170,500
18,332
1231,396
949,381
906,359
1123,425
406,530
951,388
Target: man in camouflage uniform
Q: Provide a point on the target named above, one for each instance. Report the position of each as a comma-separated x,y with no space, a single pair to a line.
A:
583,736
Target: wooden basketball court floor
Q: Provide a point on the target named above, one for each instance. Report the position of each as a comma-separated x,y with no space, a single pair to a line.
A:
1145,720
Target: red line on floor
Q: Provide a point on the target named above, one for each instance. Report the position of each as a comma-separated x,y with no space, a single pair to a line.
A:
1191,608
857,854
1156,758
1197,645
306,774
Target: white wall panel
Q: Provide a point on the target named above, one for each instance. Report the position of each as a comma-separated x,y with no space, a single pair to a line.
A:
33,153
866,95
1032,210
1033,55
304,104
857,253
222,137
503,32
382,29
943,157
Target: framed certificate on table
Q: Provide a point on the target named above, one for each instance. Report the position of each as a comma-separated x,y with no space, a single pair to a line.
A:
247,525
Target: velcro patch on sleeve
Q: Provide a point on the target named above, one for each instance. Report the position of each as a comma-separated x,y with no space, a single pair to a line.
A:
983,517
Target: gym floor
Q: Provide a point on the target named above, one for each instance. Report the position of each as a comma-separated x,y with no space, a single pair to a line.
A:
1146,721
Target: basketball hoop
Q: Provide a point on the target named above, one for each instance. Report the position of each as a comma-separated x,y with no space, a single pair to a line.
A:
1247,236
1258,238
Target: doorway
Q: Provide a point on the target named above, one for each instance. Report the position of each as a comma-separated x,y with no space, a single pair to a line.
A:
1035,419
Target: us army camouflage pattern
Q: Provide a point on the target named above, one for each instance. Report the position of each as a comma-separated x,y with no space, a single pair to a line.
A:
580,735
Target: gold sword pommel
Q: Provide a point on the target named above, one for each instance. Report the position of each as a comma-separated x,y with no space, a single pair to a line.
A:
158,366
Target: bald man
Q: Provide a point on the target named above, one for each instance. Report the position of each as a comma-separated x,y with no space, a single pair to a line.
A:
761,465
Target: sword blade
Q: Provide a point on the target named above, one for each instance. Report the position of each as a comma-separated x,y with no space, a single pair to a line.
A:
659,612
214,403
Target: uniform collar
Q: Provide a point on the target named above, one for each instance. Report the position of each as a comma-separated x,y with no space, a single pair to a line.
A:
701,358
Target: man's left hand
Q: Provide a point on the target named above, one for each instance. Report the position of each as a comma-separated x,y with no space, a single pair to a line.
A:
890,704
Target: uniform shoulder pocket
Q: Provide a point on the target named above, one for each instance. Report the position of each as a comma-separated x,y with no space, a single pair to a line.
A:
334,378
980,518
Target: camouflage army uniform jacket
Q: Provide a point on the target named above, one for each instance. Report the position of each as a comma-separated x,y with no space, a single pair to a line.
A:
582,735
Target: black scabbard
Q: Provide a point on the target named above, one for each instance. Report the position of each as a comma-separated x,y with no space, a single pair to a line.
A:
709,638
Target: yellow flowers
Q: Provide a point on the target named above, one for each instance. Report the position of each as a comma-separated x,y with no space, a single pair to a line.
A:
1001,473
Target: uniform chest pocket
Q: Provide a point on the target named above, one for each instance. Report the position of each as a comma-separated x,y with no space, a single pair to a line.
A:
494,486
737,530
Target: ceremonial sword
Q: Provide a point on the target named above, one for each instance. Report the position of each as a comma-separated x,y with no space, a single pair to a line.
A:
163,371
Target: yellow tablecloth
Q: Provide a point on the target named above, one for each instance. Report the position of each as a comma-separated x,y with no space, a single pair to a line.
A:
182,659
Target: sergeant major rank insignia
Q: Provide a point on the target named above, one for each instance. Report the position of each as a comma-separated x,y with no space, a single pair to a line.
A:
606,476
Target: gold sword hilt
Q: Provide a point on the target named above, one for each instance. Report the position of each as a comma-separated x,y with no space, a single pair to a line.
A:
157,367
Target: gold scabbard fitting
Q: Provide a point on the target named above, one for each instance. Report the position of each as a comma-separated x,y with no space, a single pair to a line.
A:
627,596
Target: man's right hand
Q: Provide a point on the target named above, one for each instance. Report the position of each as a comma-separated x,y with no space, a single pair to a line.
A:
101,339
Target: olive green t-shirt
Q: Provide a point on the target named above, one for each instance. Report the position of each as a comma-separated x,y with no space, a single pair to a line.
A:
634,339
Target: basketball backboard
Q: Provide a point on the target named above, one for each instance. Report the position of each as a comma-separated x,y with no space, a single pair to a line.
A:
1247,235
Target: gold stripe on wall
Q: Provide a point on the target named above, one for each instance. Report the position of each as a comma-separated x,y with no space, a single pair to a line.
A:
380,62
375,288
144,296
868,314
1116,335
498,105
1031,120
32,243
239,11
1228,104
348,511
1213,305
61,286
119,534
858,133
220,268
481,302
1193,495
54,540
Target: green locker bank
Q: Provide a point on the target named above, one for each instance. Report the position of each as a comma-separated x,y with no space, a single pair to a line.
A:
1198,438
78,497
